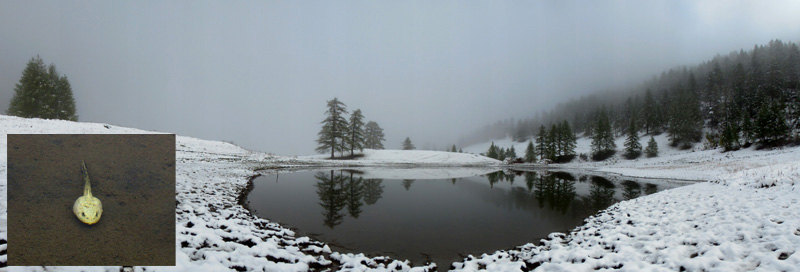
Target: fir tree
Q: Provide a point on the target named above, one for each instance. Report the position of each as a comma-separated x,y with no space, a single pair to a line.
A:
407,145
453,149
730,136
569,139
334,128
501,154
650,112
686,122
492,152
603,139
541,143
355,133
770,124
652,148
374,136
553,148
42,93
530,153
511,153
632,146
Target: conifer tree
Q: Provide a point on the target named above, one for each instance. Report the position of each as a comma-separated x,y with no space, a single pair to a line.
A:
355,133
541,143
530,153
569,139
492,152
42,93
652,148
603,139
374,136
511,153
407,145
501,154
632,146
650,112
686,122
334,127
771,123
453,149
553,148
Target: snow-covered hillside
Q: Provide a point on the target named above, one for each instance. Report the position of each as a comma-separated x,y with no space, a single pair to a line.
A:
692,164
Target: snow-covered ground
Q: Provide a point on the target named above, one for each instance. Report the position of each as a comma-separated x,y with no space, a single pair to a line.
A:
747,218
406,157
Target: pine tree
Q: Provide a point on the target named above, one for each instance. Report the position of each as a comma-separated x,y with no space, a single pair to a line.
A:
42,93
530,153
652,148
686,122
492,152
569,139
603,139
650,112
355,133
374,136
511,153
453,149
553,148
407,145
501,154
632,146
541,143
770,123
729,140
334,127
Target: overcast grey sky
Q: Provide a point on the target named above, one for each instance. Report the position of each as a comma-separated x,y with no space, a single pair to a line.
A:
259,72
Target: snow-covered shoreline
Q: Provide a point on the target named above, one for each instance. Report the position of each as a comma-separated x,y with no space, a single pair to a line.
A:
748,218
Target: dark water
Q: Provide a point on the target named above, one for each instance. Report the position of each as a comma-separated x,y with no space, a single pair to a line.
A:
439,220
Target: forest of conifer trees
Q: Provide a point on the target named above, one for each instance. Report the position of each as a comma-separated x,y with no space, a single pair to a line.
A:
731,101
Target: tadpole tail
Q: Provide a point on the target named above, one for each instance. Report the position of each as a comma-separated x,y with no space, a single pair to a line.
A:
87,189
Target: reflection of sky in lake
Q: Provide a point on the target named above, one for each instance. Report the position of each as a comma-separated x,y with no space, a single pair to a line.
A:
411,219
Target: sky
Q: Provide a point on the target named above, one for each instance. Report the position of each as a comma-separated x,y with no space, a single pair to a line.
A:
259,73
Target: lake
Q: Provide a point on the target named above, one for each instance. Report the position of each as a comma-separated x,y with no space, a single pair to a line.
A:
437,219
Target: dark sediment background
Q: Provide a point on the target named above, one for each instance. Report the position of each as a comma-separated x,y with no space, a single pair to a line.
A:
133,176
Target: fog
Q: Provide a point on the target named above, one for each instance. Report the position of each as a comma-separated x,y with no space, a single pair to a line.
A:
259,73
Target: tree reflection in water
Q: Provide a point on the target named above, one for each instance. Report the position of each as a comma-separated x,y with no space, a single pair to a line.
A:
332,198
631,189
555,191
601,194
355,192
650,188
337,192
373,190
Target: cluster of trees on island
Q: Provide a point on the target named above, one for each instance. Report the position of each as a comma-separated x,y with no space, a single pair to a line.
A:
730,102
340,133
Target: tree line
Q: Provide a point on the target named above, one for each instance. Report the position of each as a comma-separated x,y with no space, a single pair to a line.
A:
729,102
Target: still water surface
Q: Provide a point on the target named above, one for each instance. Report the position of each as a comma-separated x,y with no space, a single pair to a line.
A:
438,220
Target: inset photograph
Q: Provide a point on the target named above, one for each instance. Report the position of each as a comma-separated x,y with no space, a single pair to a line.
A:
91,200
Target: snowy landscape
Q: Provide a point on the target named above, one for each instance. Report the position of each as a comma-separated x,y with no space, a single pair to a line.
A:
743,213
414,136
